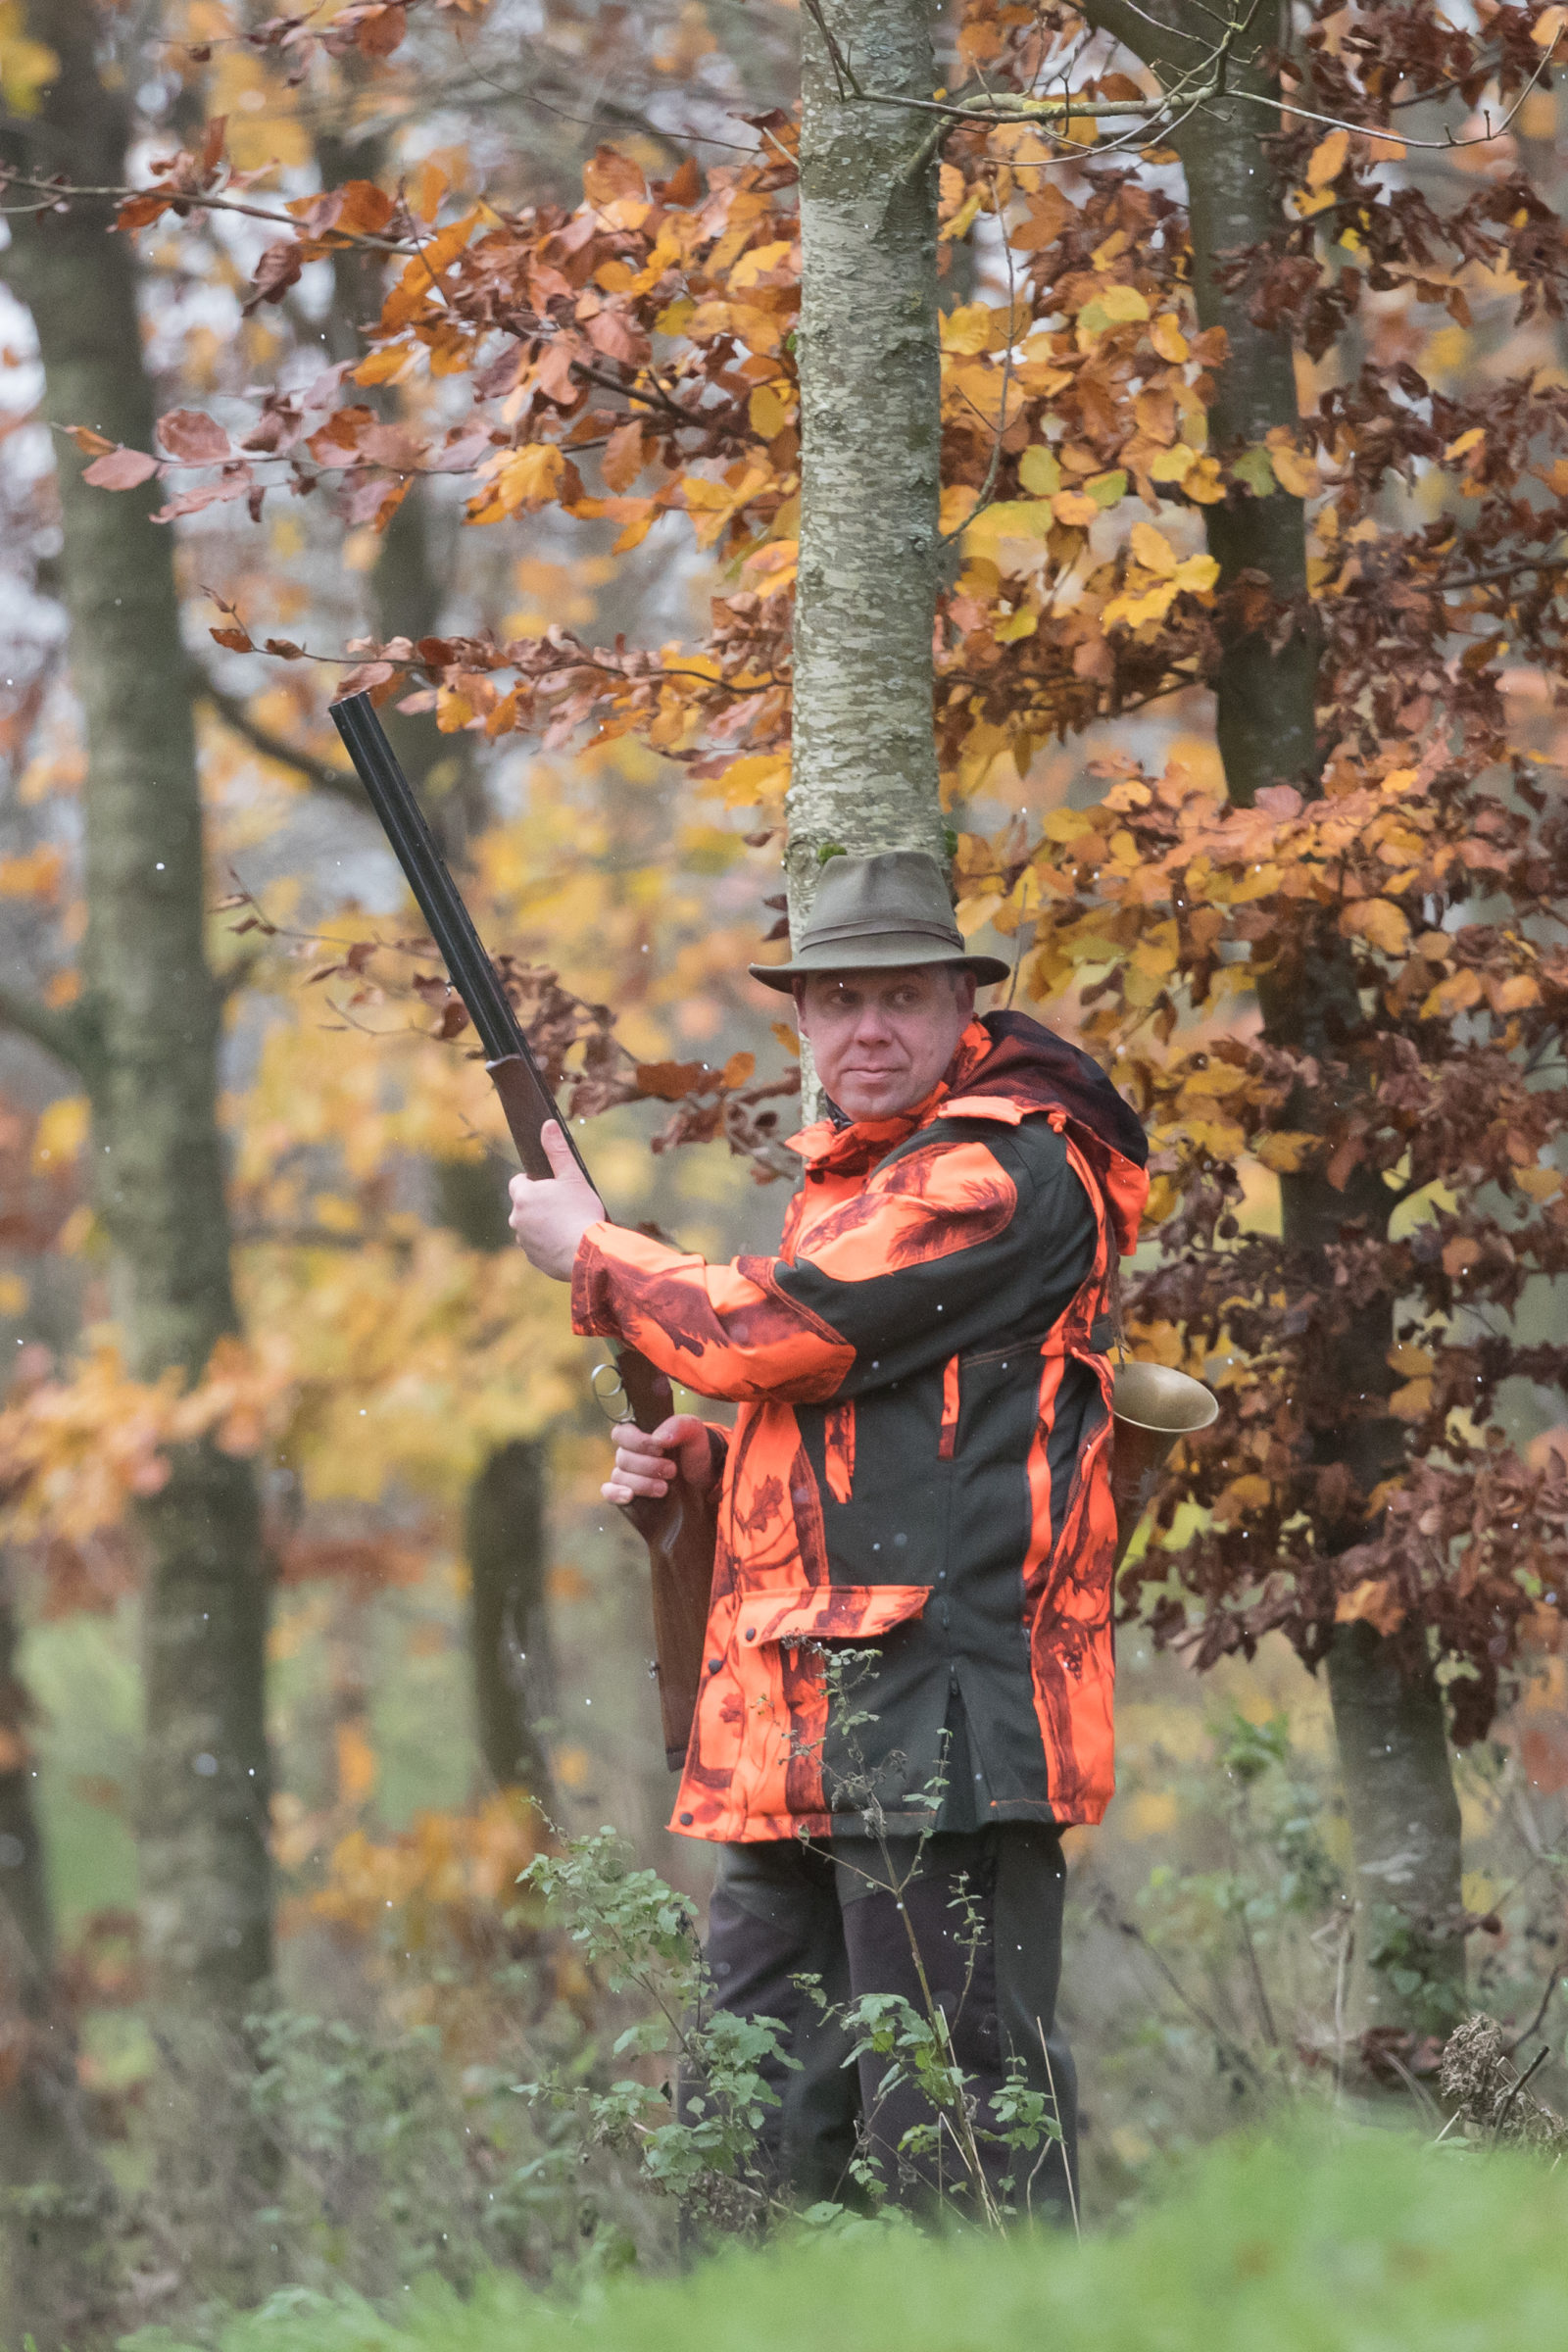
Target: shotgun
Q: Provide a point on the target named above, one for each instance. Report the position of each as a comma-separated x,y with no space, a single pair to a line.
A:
680,1530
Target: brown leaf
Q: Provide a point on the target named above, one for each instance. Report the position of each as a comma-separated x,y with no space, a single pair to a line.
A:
382,31
235,640
194,438
120,469
671,1081
608,175
627,453
90,444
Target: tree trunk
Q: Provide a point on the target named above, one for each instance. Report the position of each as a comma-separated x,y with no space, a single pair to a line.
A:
150,1020
54,2193
864,750
1390,1726
507,1560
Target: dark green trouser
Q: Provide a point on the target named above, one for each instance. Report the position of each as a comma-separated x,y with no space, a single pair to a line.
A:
991,1951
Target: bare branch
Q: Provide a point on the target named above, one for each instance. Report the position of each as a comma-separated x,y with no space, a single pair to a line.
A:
63,1034
321,774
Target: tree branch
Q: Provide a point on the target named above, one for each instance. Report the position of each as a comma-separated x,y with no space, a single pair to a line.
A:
323,775
65,1035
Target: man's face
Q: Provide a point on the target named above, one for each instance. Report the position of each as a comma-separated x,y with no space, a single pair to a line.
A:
882,1039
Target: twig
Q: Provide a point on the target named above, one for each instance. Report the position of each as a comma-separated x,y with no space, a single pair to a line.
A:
946,538
1506,2109
1066,2153
1535,2025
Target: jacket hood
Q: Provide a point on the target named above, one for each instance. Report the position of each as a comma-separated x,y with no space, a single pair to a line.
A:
1009,1055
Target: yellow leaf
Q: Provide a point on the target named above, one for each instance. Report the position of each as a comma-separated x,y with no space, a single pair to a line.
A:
1134,612
1546,30
761,259
525,477
973,913
1513,994
1015,625
1541,1184
385,365
1071,507
1413,1401
767,411
1465,444
1197,575
1204,483
1039,470
1167,338
1327,158
1067,824
14,1294
1378,921
60,1133
1153,551
1285,1149
1296,472
1174,465
1455,995
762,778
1124,304
1249,1492
967,329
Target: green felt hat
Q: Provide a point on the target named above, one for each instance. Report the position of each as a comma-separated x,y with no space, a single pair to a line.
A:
881,912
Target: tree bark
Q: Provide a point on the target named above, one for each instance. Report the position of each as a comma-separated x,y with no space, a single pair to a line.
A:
864,752
152,1016
508,1554
54,2192
1390,1725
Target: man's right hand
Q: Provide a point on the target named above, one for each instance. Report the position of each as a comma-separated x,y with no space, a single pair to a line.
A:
647,1460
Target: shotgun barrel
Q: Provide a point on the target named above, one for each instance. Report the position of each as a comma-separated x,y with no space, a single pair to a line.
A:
679,1531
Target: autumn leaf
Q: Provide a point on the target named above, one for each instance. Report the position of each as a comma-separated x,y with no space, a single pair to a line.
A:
1375,1601
120,469
1327,158
1378,921
194,438
1154,549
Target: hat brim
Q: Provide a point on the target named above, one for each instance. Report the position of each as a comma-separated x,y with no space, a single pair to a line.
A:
891,954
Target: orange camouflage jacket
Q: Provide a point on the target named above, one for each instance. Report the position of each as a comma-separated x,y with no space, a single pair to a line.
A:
920,1461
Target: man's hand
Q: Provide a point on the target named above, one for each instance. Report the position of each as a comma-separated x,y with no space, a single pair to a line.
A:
647,1460
550,1215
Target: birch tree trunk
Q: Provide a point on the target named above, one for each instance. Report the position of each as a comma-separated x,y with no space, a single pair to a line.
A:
864,750
1388,1719
145,1042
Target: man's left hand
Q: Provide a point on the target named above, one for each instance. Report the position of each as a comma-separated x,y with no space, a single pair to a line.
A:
550,1215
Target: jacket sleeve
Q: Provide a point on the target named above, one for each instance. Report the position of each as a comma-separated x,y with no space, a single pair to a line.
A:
959,1239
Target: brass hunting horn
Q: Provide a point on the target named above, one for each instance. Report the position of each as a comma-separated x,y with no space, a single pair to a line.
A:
1152,1408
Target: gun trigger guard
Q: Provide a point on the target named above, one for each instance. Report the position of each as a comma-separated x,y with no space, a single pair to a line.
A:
610,1398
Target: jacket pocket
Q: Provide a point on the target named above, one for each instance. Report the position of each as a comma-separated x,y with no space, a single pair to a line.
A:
798,1613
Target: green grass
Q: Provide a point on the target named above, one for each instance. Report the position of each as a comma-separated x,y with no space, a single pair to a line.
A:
1369,2243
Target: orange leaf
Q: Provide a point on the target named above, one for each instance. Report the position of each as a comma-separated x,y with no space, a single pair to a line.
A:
1327,158
1375,1602
609,175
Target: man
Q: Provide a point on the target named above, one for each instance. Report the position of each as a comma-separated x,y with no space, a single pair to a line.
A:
908,1665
